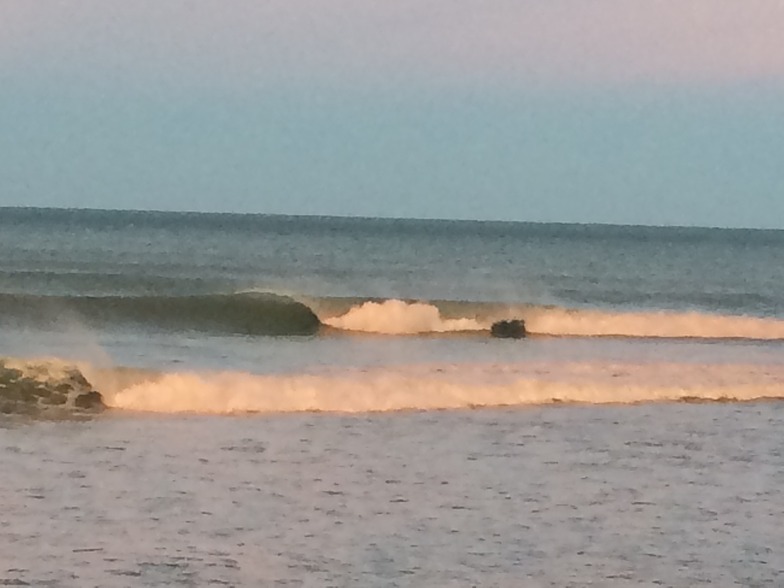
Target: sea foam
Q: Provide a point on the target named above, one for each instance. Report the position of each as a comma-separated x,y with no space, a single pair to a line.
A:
662,324
436,387
398,317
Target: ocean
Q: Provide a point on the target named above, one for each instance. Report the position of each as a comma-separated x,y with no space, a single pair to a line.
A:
318,401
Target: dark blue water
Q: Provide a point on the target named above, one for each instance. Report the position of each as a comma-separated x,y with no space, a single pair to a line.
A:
78,253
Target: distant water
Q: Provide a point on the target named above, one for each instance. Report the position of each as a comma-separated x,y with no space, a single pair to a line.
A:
108,253
388,320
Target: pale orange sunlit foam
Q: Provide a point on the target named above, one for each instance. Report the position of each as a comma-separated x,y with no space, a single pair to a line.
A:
396,317
424,387
559,321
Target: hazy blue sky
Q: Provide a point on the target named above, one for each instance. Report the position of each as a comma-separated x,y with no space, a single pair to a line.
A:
656,112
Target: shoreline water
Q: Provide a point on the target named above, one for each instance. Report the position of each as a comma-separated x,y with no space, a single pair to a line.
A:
657,494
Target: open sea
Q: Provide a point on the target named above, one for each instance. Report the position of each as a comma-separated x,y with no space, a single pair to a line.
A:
318,401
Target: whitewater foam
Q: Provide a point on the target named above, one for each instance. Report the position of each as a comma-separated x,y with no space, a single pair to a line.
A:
566,322
396,317
449,387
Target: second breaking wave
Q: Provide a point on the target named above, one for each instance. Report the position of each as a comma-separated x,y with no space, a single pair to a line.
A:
435,387
398,388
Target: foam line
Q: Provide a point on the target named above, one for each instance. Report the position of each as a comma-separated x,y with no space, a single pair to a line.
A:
448,387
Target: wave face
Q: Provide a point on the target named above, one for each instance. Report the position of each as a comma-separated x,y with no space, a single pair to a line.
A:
437,387
243,313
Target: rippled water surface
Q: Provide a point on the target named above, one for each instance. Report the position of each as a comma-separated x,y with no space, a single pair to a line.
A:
216,325
640,495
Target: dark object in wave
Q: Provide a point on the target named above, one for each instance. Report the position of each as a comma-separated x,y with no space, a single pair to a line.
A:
46,390
510,329
243,313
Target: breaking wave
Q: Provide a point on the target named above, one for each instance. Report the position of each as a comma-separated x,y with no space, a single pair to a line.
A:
382,389
269,314
437,387
395,317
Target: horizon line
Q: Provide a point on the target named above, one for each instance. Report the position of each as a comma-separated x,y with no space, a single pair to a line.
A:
383,217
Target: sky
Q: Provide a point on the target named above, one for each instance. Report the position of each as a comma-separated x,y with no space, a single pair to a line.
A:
663,112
